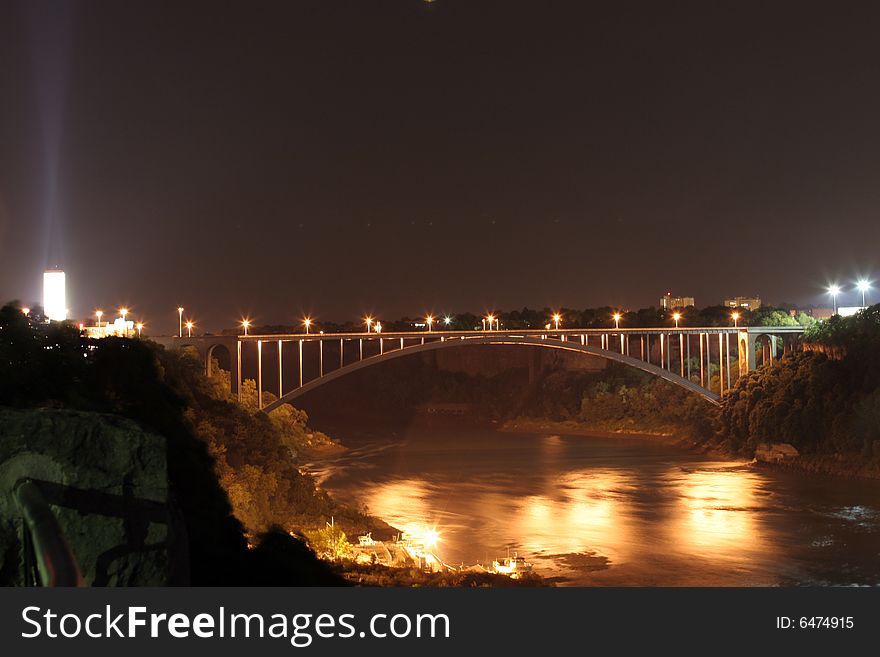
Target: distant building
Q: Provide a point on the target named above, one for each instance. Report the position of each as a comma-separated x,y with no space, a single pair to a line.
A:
122,328
749,303
669,302
54,295
821,313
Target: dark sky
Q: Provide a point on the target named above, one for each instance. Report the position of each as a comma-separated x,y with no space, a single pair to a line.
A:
272,158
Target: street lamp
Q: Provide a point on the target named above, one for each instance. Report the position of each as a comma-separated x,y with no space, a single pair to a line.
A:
25,311
99,314
378,327
307,322
180,321
863,286
368,321
123,312
447,320
616,318
556,318
491,320
676,317
140,327
245,324
735,318
834,290
429,320
189,329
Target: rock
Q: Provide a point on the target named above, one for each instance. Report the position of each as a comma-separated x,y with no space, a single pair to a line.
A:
775,452
106,479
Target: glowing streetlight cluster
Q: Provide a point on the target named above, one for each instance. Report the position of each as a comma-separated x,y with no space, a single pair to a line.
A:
862,285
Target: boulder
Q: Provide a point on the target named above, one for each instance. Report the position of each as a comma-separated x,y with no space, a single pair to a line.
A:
106,479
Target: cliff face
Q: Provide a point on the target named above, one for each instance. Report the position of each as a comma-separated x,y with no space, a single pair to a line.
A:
107,482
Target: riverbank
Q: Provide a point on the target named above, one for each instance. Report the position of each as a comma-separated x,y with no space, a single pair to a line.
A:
573,428
833,465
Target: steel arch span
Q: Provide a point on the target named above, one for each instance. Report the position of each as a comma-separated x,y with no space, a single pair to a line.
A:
547,343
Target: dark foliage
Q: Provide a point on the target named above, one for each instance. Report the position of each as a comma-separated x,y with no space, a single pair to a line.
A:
52,364
821,401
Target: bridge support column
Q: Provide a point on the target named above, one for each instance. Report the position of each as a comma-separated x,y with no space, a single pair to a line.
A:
746,352
681,351
702,376
260,374
280,368
727,349
235,377
689,357
720,366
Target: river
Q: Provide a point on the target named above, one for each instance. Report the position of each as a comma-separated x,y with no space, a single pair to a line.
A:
611,511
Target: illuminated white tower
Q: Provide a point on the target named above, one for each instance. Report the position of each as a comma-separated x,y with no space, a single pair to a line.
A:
54,295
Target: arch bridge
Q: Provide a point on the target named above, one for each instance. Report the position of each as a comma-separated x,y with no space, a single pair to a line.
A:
683,356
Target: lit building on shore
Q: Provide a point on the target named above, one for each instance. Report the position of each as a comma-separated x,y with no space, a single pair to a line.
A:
54,295
669,302
747,303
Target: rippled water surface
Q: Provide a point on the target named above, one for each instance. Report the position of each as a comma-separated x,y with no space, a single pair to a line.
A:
615,511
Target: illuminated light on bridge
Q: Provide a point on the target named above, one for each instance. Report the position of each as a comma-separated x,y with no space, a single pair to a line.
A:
429,321
447,320
189,328
556,319
26,311
140,327
735,318
245,324
307,322
616,318
676,317
180,321
98,315
369,322
691,375
123,312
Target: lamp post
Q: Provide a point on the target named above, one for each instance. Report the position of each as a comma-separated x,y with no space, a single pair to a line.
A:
429,320
26,311
307,322
556,318
189,329
491,320
863,286
245,323
676,317
140,327
834,290
735,318
99,314
447,321
368,321
123,312
616,318
179,321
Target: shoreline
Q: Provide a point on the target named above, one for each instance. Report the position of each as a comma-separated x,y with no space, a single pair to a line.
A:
844,466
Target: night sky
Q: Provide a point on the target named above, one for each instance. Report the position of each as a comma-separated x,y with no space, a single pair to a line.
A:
276,158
